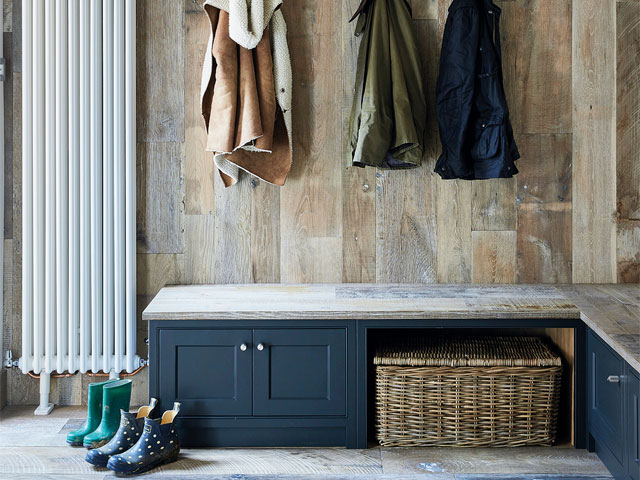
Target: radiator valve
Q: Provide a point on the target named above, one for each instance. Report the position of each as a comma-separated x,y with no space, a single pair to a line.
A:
9,362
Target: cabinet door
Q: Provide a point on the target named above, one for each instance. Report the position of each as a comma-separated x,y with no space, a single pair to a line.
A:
606,401
299,372
633,424
207,371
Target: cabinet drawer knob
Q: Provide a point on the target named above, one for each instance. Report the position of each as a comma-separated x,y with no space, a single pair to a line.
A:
260,347
613,379
243,347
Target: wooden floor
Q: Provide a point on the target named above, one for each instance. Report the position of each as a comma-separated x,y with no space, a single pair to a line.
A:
34,447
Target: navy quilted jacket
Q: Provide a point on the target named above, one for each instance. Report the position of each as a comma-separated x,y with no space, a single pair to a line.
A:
475,131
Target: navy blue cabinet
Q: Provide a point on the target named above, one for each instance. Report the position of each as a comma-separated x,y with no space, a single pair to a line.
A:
270,386
612,413
606,399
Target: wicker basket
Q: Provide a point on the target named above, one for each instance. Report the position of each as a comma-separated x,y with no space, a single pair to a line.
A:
467,392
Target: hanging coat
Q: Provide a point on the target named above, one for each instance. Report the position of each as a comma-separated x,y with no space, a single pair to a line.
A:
246,90
475,130
388,117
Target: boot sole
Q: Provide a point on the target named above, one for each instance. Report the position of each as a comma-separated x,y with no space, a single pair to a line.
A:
97,463
151,466
91,446
74,444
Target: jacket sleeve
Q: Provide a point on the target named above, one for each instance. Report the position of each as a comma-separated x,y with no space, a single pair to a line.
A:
456,84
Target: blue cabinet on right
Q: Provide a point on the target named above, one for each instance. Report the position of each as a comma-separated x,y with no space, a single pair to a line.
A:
633,430
613,411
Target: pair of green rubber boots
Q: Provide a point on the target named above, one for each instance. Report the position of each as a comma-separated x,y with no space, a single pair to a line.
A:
103,417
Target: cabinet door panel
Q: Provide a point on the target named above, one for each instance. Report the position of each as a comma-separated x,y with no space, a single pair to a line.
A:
606,401
300,372
206,371
633,424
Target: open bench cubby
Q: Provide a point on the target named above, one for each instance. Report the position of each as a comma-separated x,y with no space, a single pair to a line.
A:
559,340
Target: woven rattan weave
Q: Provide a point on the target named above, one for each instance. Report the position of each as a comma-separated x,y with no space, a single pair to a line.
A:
467,392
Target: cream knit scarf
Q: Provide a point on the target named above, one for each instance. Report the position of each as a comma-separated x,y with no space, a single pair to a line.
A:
248,19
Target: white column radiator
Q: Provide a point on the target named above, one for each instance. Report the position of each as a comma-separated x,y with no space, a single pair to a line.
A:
78,188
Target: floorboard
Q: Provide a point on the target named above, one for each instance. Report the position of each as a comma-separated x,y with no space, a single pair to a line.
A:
35,447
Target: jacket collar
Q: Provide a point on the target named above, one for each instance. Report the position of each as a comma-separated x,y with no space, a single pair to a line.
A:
485,4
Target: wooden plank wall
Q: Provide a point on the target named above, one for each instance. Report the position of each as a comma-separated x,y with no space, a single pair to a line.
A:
334,223
628,140
594,142
555,222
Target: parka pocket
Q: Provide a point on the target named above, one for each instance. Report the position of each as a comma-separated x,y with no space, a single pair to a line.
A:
488,137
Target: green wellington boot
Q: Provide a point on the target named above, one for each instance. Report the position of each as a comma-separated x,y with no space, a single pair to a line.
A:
115,396
94,414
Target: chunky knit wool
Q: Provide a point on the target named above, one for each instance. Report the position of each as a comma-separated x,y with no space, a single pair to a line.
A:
248,18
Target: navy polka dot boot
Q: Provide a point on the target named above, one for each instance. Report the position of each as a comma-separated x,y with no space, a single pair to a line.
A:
158,444
131,427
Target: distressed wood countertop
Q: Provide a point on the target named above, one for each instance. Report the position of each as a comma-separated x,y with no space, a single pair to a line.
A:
612,311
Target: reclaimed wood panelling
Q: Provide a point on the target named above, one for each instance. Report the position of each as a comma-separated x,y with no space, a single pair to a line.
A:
537,64
628,251
311,201
7,10
628,109
160,78
424,9
494,204
359,216
628,140
544,209
200,253
16,29
7,291
265,232
155,270
544,243
233,232
405,230
8,135
160,202
199,169
494,257
594,142
454,263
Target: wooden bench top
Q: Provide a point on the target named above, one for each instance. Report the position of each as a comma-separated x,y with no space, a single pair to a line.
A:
612,311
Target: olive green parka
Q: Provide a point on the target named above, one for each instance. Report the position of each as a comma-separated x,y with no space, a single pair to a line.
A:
388,117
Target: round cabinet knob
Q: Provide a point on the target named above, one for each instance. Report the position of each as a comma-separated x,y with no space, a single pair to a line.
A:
613,379
243,347
260,347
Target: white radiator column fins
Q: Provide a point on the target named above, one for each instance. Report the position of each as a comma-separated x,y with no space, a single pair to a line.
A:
78,187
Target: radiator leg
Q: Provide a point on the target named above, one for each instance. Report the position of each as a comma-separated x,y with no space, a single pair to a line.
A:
45,407
113,374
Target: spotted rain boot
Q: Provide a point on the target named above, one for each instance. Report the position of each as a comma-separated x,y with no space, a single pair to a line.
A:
115,397
94,414
131,425
158,445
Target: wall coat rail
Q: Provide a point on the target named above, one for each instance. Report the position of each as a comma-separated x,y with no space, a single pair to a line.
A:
78,187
